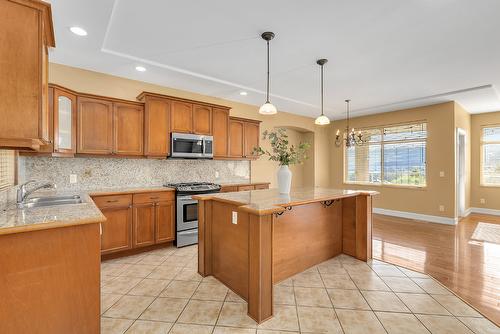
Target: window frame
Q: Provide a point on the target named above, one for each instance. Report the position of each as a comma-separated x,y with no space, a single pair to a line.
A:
382,143
481,154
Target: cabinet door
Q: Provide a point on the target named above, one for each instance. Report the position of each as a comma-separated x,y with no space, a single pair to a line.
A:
144,224
236,141
182,117
128,129
95,126
220,131
202,120
165,225
116,230
157,127
64,121
251,139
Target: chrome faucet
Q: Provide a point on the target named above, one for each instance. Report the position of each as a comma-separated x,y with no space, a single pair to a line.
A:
22,193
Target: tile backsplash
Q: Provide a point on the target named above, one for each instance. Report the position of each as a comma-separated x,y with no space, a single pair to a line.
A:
96,173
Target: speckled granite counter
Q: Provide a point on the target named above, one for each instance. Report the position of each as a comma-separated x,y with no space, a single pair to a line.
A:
270,200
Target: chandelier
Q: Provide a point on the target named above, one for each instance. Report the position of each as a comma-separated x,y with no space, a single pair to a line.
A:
349,136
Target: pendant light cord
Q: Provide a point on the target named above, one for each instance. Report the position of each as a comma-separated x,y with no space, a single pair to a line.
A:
322,91
267,90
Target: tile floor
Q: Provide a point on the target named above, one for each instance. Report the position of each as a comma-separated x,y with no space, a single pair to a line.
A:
161,292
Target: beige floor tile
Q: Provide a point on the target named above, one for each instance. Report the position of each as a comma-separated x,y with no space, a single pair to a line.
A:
209,291
165,272
308,280
318,320
267,331
115,326
384,301
107,300
312,297
402,284
180,289
152,259
369,281
456,306
387,270
129,307
107,278
346,259
443,324
400,323
120,285
201,312
286,282
480,325
431,286
422,303
233,297
113,269
360,322
333,281
285,319
283,295
191,329
133,259
149,327
164,309
412,273
137,270
233,330
350,299
335,268
358,268
235,315
149,287
178,261
188,274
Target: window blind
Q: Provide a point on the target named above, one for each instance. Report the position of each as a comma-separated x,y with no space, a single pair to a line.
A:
7,168
490,153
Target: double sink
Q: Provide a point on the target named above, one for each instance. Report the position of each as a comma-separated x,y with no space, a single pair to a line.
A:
36,202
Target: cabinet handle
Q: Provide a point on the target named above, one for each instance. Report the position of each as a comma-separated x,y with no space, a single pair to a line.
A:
112,201
154,197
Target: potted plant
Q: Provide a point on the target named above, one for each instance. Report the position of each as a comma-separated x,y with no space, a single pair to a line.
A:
285,154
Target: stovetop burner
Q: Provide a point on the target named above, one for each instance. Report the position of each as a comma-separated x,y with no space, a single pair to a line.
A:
194,187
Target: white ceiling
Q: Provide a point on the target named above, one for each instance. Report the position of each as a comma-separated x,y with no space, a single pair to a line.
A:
384,55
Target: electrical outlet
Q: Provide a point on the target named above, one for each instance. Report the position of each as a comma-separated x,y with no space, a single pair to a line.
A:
73,178
216,175
441,174
441,208
482,200
235,218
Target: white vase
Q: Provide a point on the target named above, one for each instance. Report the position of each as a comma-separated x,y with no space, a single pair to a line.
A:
284,179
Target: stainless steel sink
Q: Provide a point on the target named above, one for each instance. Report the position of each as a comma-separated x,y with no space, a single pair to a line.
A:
36,202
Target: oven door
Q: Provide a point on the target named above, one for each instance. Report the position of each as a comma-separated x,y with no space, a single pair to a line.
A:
187,213
187,146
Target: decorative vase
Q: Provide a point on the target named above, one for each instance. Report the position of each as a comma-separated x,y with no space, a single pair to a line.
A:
284,179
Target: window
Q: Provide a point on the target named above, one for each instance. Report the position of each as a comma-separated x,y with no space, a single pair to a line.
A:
392,155
7,168
490,156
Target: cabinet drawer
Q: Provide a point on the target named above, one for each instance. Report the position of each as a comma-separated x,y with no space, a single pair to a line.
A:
245,188
154,197
113,201
261,186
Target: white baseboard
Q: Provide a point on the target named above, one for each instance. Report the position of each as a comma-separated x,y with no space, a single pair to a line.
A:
485,211
417,216
467,212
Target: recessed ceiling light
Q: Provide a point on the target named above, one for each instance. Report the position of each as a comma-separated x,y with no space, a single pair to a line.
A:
140,68
78,31
243,93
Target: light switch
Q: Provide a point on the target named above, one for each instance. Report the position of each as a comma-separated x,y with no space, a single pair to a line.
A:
441,208
235,218
73,178
482,200
441,174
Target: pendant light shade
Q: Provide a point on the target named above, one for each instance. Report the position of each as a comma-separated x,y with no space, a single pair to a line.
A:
267,108
322,119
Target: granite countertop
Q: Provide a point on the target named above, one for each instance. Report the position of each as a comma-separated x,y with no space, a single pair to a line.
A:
127,190
267,201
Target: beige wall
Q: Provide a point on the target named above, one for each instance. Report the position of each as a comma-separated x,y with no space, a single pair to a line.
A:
440,157
262,170
491,195
463,121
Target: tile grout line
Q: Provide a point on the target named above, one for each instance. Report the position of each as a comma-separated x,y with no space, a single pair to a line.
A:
330,298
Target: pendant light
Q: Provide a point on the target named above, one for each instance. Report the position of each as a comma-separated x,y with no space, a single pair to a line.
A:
267,108
322,119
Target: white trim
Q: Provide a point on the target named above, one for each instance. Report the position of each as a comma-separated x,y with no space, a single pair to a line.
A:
485,211
467,212
417,216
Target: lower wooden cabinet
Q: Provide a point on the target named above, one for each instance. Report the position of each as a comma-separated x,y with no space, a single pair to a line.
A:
116,230
165,221
144,224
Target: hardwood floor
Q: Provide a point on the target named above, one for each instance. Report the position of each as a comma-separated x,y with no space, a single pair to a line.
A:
465,258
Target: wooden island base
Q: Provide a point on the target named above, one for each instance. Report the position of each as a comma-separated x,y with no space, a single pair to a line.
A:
276,237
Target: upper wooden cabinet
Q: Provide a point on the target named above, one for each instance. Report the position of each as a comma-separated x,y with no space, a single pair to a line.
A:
128,129
26,32
220,131
95,126
156,126
202,119
243,137
182,117
63,112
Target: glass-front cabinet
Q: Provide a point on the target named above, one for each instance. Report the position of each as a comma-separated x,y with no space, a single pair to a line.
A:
64,122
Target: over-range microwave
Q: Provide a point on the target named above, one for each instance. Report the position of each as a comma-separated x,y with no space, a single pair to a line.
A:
186,145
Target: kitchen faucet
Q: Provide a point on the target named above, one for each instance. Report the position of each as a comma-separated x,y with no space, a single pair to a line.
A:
22,193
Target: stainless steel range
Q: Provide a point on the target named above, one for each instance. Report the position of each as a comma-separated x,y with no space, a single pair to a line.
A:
187,209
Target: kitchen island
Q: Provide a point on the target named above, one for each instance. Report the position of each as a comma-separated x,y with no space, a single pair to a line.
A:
251,240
